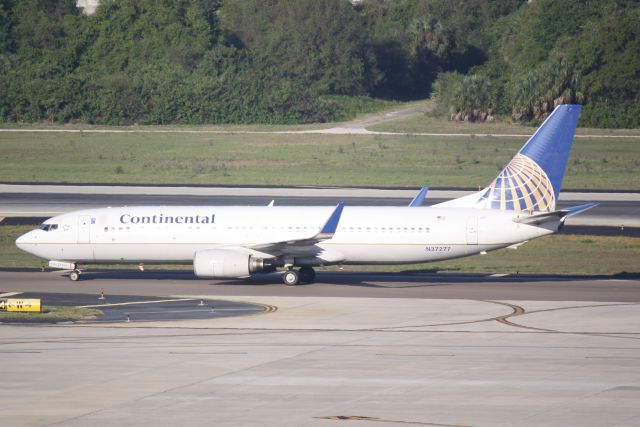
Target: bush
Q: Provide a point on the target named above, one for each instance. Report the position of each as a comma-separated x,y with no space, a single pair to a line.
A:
604,114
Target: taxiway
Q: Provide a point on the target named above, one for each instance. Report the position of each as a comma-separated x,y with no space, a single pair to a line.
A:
354,349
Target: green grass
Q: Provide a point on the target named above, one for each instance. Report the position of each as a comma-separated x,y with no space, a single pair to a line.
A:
52,313
10,255
429,123
281,159
556,254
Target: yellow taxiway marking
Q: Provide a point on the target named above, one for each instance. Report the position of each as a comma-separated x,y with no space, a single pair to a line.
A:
380,420
9,294
136,302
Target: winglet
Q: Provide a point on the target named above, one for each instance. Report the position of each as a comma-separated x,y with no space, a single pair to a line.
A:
419,199
327,232
330,227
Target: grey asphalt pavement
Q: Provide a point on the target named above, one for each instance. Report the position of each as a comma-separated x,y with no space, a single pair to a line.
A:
134,308
359,349
615,209
340,284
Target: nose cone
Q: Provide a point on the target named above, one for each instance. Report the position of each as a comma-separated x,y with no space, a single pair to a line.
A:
24,241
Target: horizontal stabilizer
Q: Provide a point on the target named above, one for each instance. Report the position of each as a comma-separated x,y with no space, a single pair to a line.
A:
561,215
419,199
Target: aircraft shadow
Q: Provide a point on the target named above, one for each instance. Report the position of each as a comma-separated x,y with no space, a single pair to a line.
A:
340,278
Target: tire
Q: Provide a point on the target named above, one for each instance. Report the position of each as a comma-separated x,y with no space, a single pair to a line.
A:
307,274
291,278
74,276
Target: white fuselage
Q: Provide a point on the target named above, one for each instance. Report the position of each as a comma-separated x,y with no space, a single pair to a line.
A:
365,235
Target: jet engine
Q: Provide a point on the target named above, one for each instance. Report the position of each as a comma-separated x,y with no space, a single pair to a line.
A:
229,264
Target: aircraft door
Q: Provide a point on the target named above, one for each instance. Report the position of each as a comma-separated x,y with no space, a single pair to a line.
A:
472,230
84,228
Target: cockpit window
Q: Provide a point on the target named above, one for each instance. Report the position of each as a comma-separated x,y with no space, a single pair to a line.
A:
48,227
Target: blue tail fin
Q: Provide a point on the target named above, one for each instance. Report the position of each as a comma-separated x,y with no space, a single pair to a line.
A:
532,179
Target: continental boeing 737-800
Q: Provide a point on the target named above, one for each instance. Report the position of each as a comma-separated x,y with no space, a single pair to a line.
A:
237,241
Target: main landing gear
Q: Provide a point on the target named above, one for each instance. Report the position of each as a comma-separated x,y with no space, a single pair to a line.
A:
74,275
292,277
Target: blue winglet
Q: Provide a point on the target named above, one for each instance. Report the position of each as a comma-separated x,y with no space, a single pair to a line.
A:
331,225
419,199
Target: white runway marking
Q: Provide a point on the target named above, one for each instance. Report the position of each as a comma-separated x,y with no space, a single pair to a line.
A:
135,302
9,294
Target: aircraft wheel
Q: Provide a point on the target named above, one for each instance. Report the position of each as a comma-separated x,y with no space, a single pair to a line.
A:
291,278
307,274
74,275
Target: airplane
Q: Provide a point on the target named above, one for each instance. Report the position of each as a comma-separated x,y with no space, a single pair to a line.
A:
223,242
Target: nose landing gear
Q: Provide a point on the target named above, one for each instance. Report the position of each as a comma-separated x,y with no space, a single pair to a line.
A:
74,275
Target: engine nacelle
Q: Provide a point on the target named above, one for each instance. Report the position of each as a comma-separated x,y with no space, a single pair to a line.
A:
228,264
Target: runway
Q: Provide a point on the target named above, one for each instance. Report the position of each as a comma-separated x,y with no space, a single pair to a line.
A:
617,210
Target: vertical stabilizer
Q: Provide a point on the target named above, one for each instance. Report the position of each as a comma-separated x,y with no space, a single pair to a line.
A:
533,178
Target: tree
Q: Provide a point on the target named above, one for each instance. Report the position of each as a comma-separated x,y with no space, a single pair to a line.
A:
322,43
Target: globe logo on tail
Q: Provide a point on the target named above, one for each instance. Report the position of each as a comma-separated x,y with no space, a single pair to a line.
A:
521,186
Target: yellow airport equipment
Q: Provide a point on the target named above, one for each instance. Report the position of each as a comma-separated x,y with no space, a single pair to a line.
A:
21,305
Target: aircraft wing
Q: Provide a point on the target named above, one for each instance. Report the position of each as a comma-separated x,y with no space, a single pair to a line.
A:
561,214
326,232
